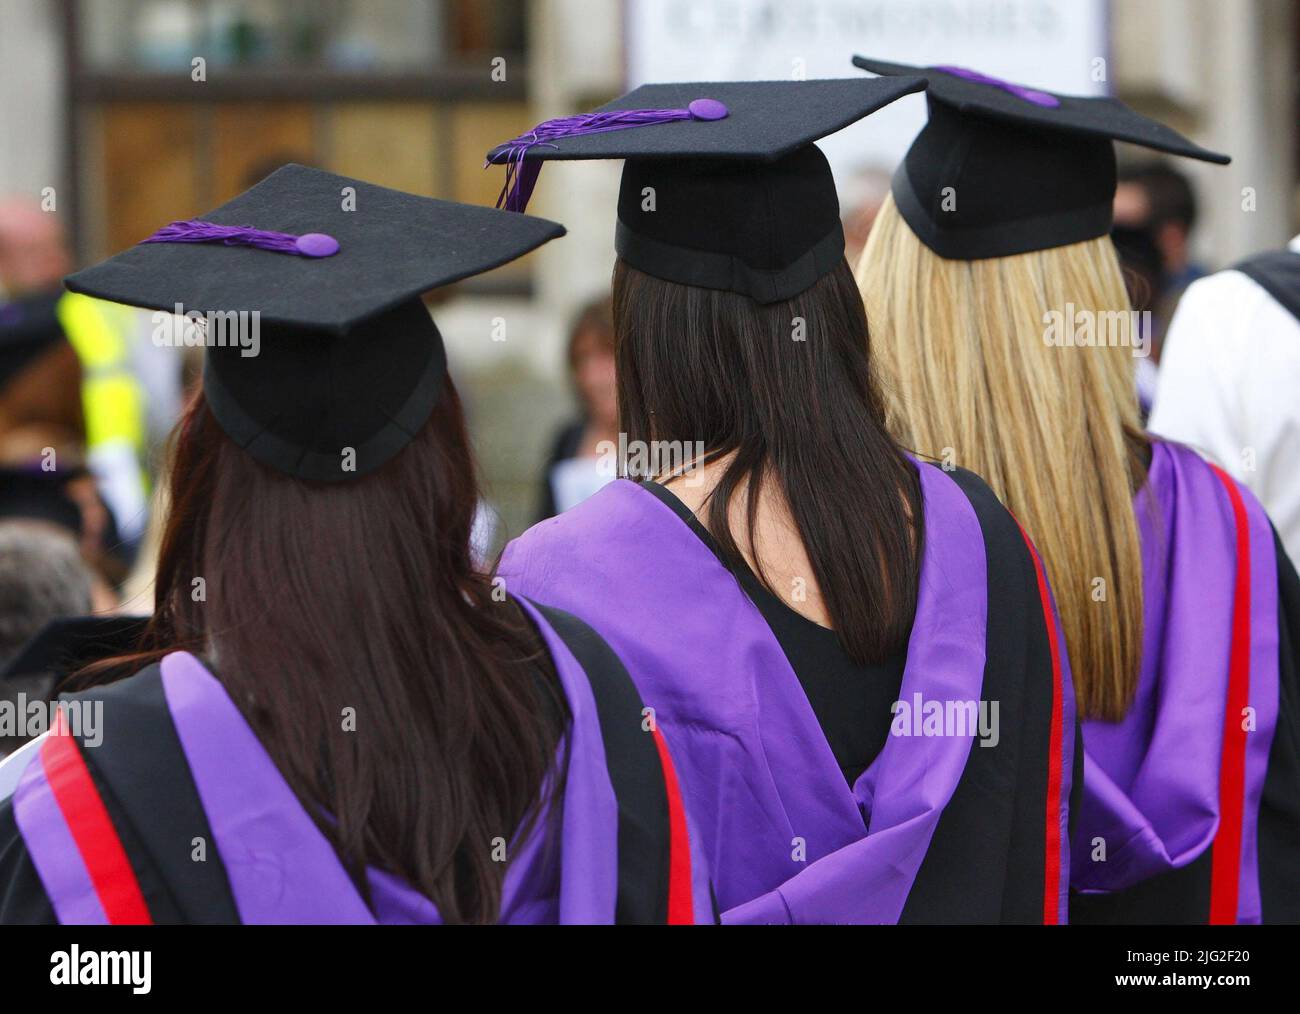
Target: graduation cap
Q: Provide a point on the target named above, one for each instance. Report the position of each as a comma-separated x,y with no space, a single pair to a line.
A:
723,187
36,495
341,355
29,327
67,643
1002,168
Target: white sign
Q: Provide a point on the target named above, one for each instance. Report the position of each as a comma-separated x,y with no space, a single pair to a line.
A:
1059,45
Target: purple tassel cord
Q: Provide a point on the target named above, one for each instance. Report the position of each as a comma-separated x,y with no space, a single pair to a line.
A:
1044,99
313,244
521,175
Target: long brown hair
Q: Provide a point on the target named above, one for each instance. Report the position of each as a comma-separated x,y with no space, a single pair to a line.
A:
786,389
1055,431
328,608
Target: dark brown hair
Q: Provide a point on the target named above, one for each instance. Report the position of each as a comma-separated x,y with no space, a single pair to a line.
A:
363,595
595,317
787,388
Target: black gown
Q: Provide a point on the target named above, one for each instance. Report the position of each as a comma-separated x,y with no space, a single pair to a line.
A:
853,705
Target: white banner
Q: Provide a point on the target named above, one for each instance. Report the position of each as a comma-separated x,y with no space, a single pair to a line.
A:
1060,45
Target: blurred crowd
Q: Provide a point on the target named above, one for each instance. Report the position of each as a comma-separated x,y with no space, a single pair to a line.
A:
85,401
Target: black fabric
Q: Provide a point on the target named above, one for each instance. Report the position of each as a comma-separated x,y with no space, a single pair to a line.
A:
745,203
392,247
23,901
300,405
635,773
29,327
766,120
568,441
1279,811
1101,117
765,230
66,644
347,356
31,494
851,702
728,272
986,861
1178,897
949,188
993,174
141,775
1277,272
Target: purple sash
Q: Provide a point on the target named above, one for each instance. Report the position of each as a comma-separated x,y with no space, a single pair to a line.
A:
58,860
1152,781
759,776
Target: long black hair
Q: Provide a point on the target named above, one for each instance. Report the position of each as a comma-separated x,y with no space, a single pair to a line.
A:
786,387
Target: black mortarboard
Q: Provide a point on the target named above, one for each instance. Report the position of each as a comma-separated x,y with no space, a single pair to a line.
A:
722,187
348,357
29,327
1003,169
34,495
68,643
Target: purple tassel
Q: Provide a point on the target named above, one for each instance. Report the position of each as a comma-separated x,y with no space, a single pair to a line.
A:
312,244
1038,98
521,175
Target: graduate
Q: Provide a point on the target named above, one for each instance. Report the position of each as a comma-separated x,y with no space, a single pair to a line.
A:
853,653
40,376
1005,334
332,718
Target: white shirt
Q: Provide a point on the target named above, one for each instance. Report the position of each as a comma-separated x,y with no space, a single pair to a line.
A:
13,766
573,480
1230,386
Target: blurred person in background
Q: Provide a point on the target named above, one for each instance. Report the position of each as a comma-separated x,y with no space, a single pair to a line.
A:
1155,211
1143,269
1156,199
42,578
40,373
1230,379
33,249
576,467
68,499
863,196
79,380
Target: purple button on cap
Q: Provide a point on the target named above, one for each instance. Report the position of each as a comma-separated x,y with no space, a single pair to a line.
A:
707,109
317,244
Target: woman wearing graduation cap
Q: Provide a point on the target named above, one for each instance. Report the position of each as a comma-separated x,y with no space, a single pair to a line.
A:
1005,335
333,717
853,654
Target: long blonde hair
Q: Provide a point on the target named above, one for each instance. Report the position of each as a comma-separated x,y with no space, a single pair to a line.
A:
961,350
